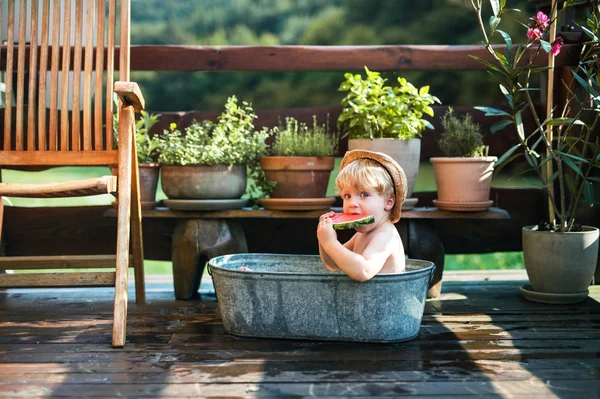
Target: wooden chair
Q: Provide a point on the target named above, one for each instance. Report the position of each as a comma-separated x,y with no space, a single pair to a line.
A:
46,39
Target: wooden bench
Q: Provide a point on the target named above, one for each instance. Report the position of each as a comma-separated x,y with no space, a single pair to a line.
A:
200,236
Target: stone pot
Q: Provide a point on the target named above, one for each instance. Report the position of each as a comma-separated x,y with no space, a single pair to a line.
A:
203,181
406,152
560,263
463,184
298,177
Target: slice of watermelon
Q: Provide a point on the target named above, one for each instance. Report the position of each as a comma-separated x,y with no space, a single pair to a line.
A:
344,221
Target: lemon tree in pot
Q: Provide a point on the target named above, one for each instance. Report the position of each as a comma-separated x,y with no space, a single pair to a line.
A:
388,119
464,175
300,161
147,154
560,254
206,166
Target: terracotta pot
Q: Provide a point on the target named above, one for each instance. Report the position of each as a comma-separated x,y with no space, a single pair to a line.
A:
203,181
148,183
298,177
560,263
463,184
148,174
406,152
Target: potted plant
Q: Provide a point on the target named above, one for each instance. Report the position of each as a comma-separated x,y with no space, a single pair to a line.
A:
206,166
560,255
464,175
147,155
387,119
300,162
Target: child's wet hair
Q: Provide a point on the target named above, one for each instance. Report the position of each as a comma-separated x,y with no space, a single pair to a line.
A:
365,175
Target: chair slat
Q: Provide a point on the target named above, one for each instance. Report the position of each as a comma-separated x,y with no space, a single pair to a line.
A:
10,28
74,279
77,50
87,78
42,89
64,91
20,99
110,77
54,66
98,136
33,60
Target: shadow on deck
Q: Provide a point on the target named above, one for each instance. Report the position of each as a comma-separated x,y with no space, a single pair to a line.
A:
479,339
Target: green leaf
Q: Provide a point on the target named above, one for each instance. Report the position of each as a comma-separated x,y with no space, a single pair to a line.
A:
506,155
546,46
508,41
579,159
571,164
519,124
489,111
495,7
588,192
533,181
593,178
497,126
494,22
486,63
565,121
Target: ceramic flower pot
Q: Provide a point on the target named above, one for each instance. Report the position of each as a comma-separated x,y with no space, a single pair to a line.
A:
203,181
298,177
463,184
560,263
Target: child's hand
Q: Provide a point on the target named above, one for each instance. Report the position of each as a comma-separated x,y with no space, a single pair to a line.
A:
325,231
326,215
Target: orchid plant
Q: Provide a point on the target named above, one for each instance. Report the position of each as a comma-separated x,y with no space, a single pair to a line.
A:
561,149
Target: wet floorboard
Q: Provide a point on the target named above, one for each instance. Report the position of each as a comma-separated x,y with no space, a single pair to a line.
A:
479,339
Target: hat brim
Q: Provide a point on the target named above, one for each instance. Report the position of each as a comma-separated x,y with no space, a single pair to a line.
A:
394,170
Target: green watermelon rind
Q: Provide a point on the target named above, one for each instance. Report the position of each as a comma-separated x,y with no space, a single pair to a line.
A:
354,224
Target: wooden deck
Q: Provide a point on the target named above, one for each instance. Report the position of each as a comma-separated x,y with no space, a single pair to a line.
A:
479,339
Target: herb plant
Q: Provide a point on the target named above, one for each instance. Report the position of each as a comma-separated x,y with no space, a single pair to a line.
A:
298,139
146,145
373,110
461,137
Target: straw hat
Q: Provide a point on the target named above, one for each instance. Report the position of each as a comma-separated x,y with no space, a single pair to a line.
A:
394,170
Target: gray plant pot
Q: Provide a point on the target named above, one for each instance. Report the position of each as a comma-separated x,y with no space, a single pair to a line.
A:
560,263
203,182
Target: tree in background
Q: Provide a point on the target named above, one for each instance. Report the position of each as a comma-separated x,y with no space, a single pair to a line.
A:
305,22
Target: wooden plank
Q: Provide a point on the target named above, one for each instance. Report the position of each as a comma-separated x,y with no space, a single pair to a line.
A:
78,188
57,262
98,87
20,98
40,158
8,76
320,58
110,67
74,279
76,87
54,67
41,109
87,78
33,139
65,131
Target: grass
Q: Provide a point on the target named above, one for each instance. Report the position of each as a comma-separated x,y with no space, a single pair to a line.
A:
425,182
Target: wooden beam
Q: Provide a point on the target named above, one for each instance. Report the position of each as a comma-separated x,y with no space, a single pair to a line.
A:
67,280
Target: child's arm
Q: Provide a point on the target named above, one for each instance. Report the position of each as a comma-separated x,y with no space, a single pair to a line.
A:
359,267
326,259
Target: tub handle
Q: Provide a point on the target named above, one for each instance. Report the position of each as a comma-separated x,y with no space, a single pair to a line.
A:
431,273
209,269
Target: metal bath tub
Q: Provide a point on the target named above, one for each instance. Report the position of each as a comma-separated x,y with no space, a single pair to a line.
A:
294,296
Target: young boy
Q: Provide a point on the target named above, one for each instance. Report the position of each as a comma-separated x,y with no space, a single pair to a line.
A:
370,183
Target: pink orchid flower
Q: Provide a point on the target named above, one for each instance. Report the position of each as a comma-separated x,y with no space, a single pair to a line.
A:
542,19
556,45
534,33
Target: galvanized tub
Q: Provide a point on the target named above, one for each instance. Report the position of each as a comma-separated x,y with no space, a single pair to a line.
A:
294,296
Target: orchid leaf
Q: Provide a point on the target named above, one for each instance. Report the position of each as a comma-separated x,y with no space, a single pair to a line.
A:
495,7
519,124
588,192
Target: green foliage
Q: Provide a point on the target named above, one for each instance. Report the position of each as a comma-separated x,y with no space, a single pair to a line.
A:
230,141
561,150
297,139
460,136
146,145
373,110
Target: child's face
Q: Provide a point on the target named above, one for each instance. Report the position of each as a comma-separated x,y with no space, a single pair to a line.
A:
367,202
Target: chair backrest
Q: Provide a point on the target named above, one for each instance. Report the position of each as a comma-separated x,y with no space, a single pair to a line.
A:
59,117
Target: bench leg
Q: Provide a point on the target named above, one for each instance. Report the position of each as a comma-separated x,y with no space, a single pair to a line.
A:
195,241
424,243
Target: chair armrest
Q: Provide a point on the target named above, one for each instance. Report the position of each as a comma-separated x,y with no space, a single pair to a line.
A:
130,94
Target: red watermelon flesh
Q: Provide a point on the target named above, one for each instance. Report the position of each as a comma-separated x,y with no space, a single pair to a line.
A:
344,221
